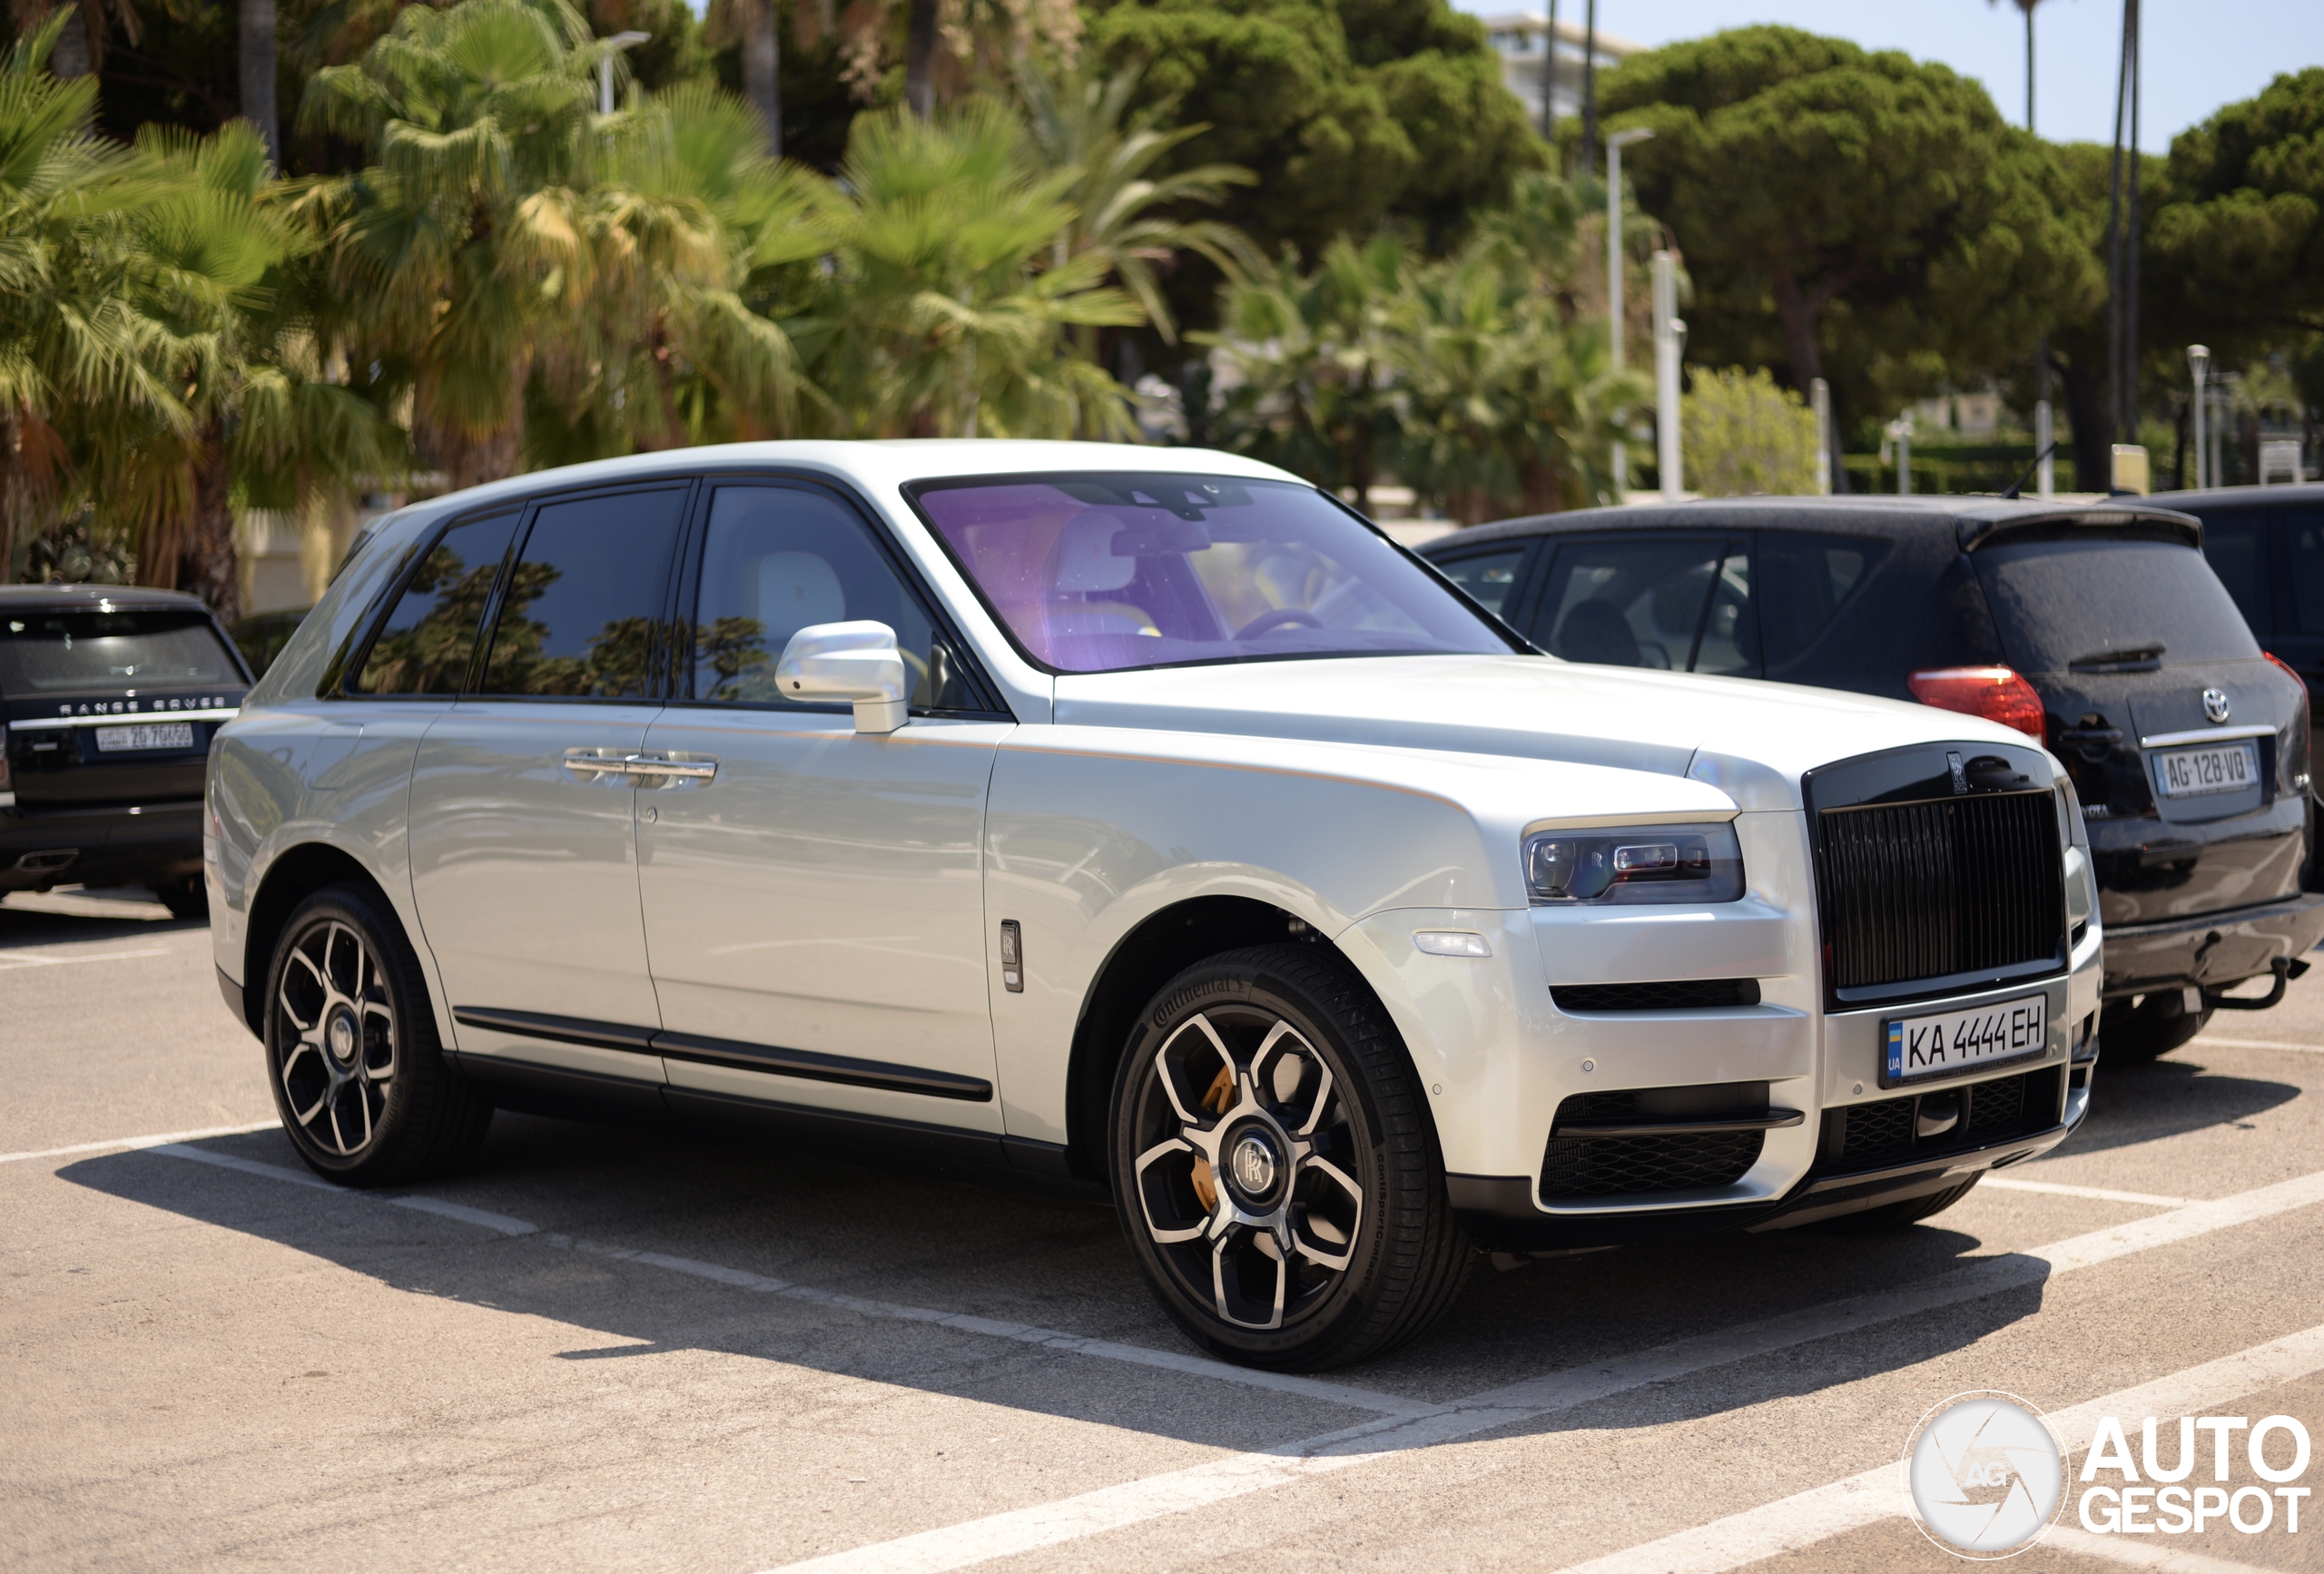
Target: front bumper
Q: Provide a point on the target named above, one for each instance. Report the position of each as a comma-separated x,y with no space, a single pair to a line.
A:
2214,950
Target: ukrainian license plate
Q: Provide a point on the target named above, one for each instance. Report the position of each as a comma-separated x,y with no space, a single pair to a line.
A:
2191,773
145,735
1945,1043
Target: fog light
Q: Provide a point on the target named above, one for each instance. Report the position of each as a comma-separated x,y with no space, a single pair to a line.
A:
1451,943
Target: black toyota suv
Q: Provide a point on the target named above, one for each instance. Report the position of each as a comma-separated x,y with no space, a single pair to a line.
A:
108,698
2099,630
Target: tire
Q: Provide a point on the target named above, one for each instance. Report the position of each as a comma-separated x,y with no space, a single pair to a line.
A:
187,897
360,1079
2134,1035
1911,1211
1333,1238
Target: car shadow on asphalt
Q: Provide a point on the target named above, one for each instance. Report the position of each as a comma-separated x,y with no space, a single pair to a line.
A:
1057,1263
2168,1098
22,927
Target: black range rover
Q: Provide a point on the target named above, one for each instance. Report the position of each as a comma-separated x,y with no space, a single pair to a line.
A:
108,698
2098,630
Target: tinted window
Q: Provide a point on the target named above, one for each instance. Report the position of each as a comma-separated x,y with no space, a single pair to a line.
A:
582,615
776,561
1489,577
2058,603
50,652
1638,603
2306,534
1803,580
2235,545
426,643
1103,573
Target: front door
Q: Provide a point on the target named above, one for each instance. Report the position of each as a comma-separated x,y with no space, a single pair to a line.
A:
813,897
524,853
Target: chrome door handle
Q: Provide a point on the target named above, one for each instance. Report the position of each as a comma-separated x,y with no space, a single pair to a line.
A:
594,766
661,771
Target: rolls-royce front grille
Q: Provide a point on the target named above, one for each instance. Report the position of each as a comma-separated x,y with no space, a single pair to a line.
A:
1937,890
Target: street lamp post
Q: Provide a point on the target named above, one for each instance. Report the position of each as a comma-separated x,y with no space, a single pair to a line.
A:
2199,362
605,67
1668,335
1614,146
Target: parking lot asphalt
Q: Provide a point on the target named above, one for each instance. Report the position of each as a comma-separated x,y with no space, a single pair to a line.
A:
610,1350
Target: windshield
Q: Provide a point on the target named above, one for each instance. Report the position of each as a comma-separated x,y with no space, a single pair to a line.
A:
49,652
1096,573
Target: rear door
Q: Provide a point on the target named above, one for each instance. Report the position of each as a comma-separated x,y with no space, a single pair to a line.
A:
1669,602
524,852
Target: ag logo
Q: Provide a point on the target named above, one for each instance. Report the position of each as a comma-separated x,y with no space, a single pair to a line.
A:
1986,1473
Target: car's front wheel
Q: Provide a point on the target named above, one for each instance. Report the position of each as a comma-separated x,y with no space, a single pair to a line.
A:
360,1080
1276,1168
2129,1034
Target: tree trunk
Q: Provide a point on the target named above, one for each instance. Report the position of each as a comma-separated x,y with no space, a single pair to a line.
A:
1799,317
70,58
2094,452
258,74
761,68
920,59
470,459
212,567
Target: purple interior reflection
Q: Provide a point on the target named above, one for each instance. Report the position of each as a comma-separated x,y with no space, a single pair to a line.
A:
1096,573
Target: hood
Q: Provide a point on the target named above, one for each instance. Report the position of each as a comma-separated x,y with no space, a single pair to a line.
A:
1751,739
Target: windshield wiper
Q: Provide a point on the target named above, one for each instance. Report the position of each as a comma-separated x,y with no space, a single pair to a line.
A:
2137,655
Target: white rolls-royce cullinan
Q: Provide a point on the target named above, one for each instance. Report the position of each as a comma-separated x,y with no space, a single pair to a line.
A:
1147,821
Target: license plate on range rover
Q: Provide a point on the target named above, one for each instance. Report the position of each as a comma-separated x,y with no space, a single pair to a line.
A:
145,735
1946,1043
2191,773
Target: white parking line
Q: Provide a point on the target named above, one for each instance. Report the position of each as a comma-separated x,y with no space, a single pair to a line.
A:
1316,1388
158,1140
26,960
1822,1513
2209,1041
2094,1194
1200,1486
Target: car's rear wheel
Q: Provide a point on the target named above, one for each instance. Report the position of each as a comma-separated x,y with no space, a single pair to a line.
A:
1275,1165
186,897
360,1080
2155,1025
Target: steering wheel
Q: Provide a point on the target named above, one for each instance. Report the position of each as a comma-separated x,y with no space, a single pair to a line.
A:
1281,616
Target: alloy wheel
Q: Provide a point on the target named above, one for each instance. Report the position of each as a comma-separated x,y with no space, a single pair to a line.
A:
338,1057
1243,1166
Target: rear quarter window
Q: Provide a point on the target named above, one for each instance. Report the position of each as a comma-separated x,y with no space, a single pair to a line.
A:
2082,600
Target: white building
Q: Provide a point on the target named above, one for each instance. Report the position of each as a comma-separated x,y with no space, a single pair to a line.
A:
1519,35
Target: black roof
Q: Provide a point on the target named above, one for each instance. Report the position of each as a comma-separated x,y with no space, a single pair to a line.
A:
2243,497
1968,520
93,597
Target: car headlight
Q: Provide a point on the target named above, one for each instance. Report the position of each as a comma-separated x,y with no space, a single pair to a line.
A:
1650,863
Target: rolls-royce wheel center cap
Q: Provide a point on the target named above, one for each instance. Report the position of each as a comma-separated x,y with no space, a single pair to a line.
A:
1254,1165
341,1035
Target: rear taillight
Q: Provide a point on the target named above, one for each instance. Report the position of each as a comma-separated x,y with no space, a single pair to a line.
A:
1996,694
2285,667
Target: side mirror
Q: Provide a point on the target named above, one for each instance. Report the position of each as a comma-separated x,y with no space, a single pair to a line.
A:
848,661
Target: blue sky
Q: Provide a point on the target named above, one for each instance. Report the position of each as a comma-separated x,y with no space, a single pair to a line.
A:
2199,54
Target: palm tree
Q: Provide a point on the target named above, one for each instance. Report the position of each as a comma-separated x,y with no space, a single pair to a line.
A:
1126,213
461,236
77,355
945,315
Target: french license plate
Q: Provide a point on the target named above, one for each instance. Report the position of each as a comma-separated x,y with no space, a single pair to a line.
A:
2191,773
1945,1043
145,735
